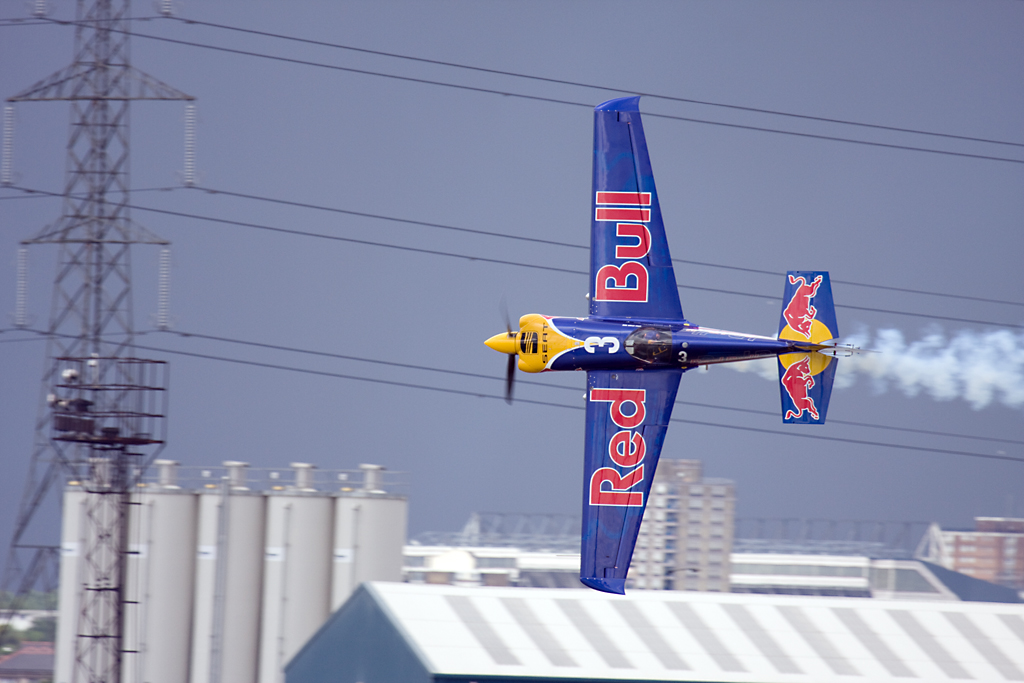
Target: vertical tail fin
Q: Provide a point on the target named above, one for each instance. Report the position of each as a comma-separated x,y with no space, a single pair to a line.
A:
808,315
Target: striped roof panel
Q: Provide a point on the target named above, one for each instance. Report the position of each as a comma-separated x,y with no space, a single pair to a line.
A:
684,636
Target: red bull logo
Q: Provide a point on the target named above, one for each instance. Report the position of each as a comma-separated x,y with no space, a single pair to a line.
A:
799,313
797,381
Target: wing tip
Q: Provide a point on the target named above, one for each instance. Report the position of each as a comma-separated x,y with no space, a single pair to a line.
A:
616,586
620,104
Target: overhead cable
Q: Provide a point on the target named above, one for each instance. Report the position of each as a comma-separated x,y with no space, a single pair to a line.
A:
39,194
522,238
574,245
549,385
463,392
552,100
559,81
520,264
535,266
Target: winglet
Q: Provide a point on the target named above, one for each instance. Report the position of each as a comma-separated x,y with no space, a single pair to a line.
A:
617,586
620,104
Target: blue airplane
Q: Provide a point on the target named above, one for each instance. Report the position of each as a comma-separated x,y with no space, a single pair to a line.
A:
636,344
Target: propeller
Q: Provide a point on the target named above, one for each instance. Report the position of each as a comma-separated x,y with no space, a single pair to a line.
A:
510,378
510,369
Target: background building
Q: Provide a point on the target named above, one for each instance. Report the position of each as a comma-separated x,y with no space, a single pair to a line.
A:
993,551
686,535
428,634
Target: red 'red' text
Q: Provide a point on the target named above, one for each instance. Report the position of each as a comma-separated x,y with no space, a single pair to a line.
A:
626,448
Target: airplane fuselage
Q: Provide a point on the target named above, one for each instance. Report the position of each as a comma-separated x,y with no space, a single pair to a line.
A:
545,344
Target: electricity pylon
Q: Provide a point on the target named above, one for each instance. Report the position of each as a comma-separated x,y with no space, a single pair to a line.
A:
101,409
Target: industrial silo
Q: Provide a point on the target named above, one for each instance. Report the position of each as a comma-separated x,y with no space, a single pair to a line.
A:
296,572
167,556
369,533
228,576
71,543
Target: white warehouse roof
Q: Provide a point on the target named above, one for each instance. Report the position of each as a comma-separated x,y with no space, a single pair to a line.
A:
664,635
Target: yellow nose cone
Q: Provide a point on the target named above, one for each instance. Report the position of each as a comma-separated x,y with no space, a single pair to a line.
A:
503,343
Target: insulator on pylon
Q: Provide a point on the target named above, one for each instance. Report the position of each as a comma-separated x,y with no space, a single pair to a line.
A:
163,321
40,8
7,166
166,7
21,294
190,145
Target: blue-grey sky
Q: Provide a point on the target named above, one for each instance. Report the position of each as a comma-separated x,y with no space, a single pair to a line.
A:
469,159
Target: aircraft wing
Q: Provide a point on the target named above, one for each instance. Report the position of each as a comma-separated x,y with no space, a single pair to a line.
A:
627,416
631,271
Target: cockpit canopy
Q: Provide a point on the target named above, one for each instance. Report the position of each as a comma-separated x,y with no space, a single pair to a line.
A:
650,345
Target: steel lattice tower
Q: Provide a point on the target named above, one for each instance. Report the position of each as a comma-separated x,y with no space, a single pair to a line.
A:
102,409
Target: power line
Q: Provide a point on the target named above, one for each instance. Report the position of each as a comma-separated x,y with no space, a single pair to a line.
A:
483,259
476,375
580,84
554,100
547,385
20,339
522,238
573,245
462,392
39,194
535,266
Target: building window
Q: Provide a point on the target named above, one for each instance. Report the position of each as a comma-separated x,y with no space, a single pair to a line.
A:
415,561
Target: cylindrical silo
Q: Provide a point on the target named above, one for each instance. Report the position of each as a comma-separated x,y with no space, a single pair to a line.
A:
168,555
71,543
297,571
228,576
369,533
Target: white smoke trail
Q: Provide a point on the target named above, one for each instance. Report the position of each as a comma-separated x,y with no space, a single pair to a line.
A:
978,367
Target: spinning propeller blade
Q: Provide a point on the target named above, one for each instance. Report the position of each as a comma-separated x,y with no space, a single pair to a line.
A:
510,378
